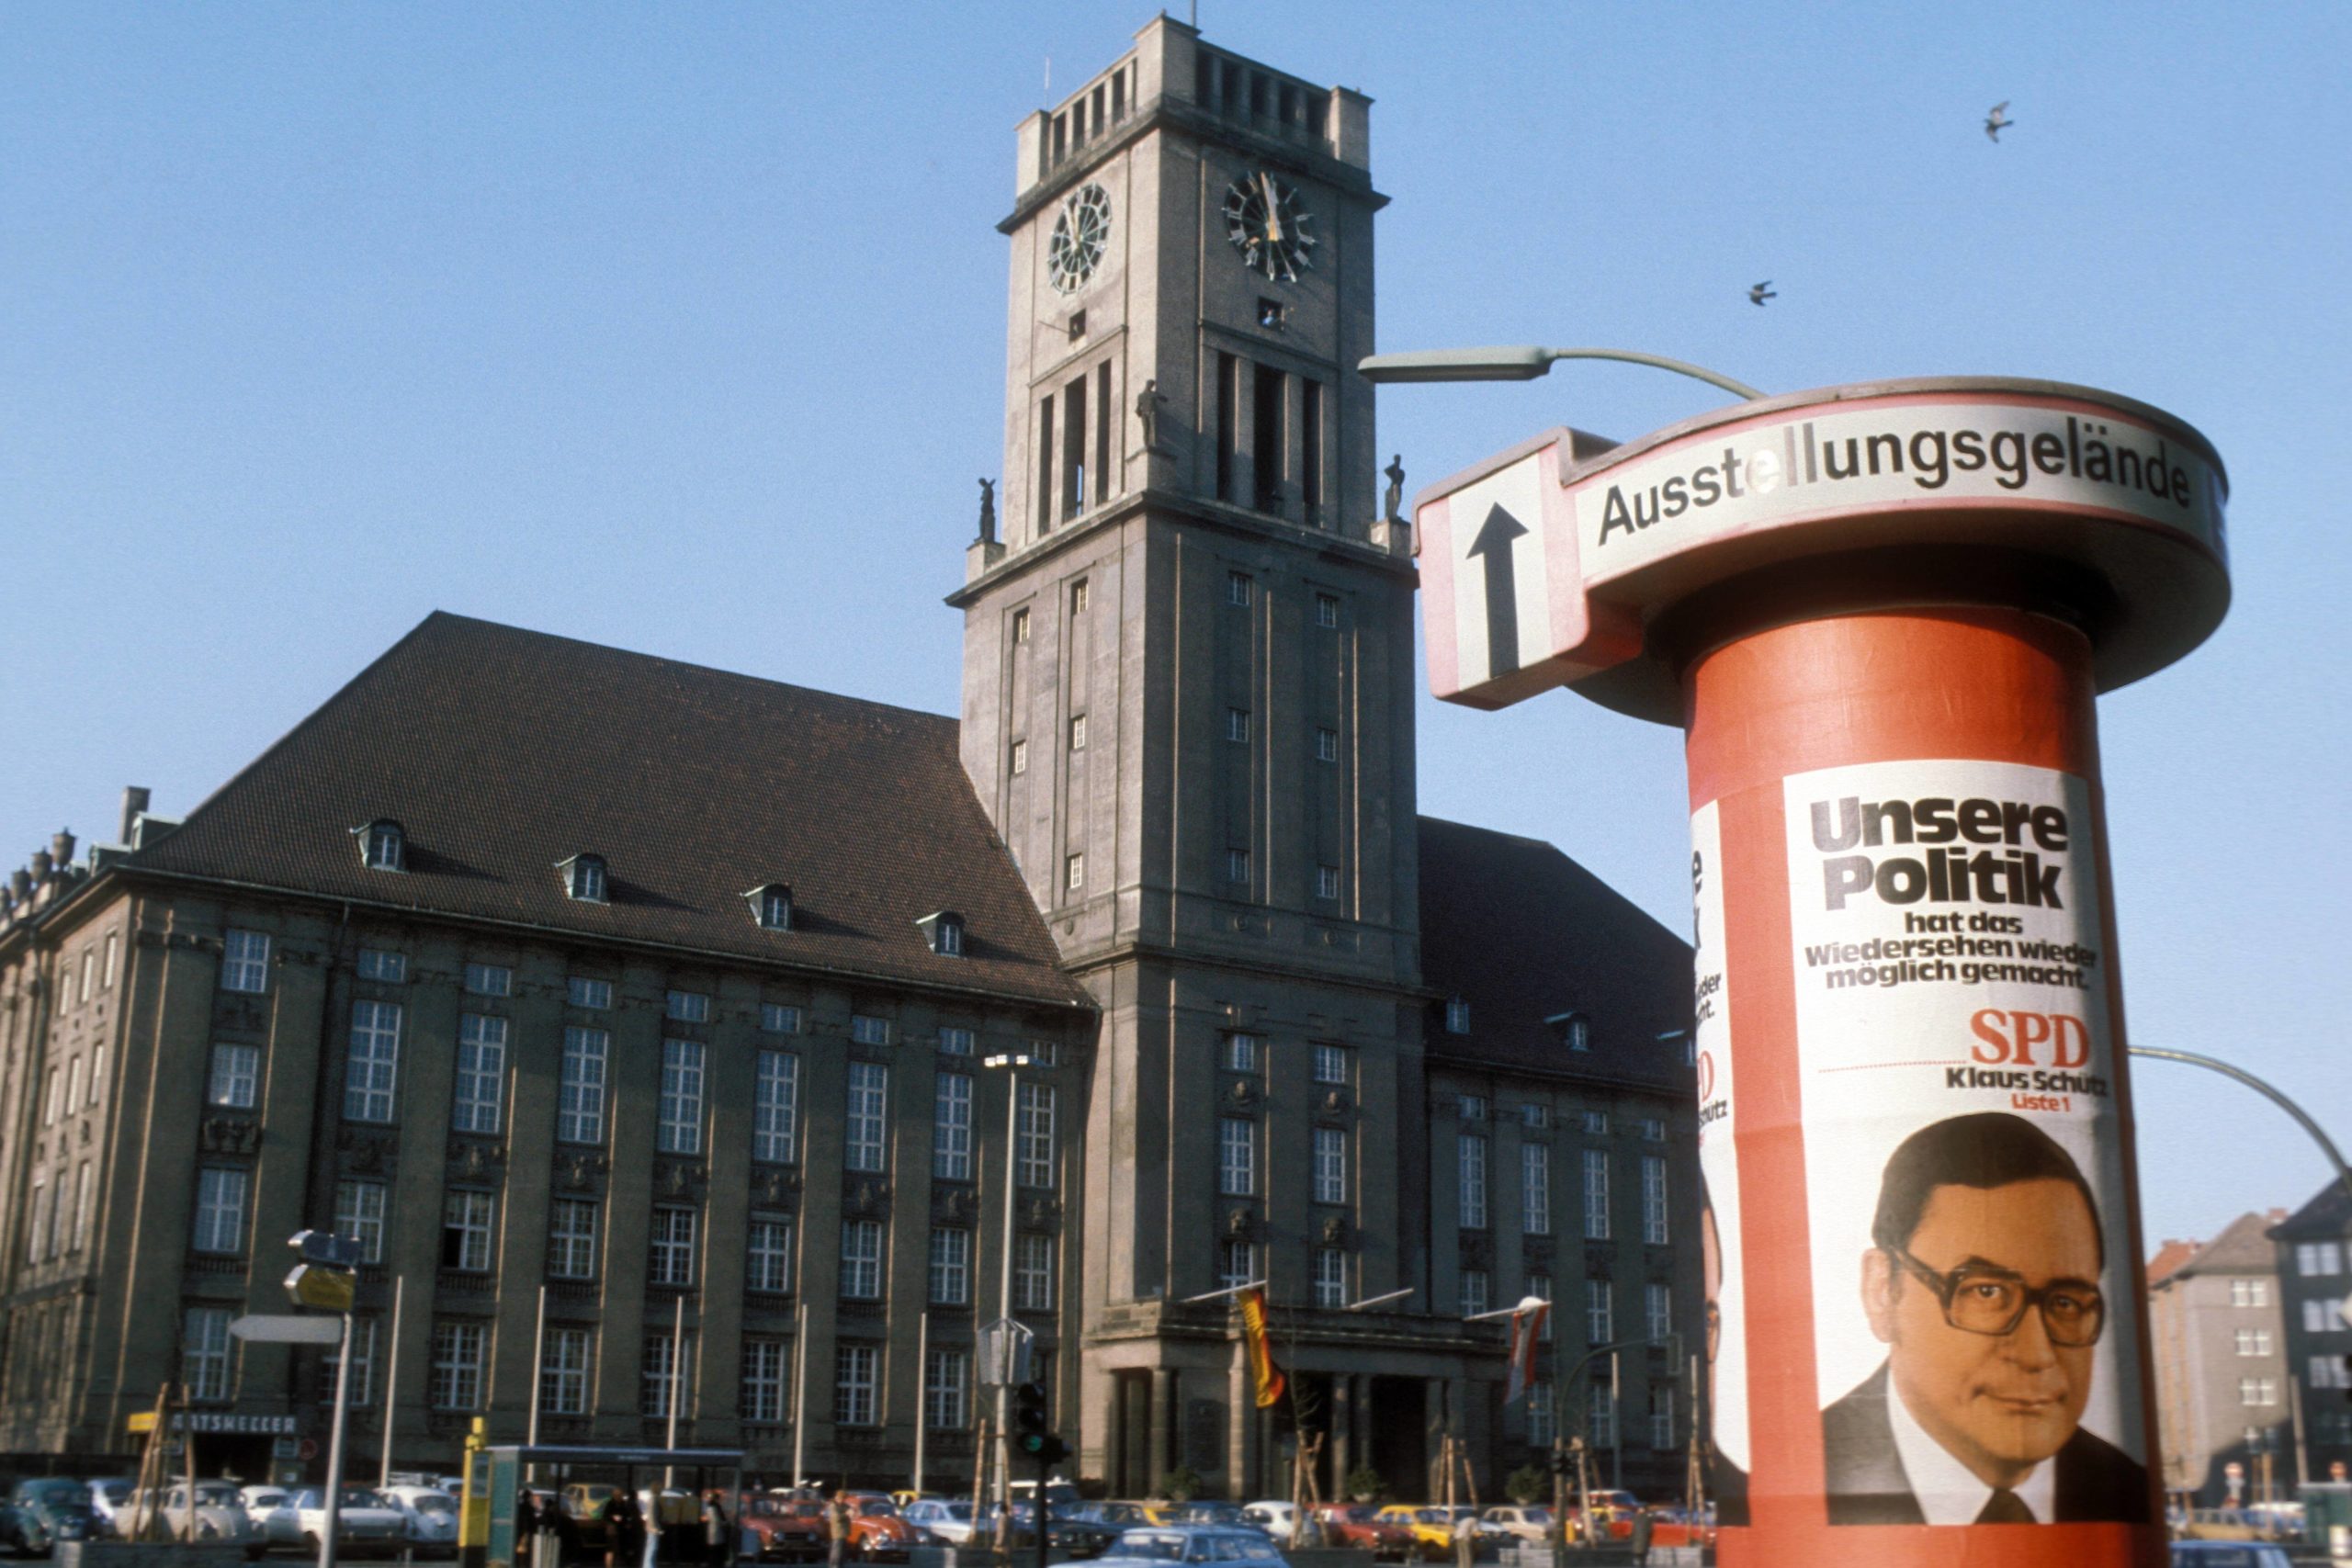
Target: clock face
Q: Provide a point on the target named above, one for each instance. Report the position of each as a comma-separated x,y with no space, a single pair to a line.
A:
1081,233
1267,225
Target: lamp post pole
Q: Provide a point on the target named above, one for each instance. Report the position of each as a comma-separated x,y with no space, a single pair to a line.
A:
1011,1064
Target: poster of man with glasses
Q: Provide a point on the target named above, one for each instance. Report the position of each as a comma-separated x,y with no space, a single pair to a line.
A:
1975,1325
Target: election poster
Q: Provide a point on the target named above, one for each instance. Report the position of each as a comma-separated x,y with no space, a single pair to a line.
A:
1726,1350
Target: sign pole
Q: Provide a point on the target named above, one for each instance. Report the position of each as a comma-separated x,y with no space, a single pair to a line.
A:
392,1388
923,1417
334,1452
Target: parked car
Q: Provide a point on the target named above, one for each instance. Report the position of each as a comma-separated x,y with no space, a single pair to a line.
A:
431,1515
944,1521
22,1534
1431,1527
219,1515
1277,1517
2229,1554
876,1532
1126,1515
64,1504
366,1525
786,1530
1360,1527
1076,1533
1210,1511
107,1494
263,1501
1512,1524
1150,1546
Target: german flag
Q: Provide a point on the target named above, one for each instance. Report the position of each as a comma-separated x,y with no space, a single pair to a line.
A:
1266,1376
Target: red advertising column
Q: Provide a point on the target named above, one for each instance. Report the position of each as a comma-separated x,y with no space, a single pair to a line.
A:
1916,1134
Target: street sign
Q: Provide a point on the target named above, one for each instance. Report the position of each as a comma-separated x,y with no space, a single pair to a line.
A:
284,1328
330,1289
286,1448
325,1246
1004,1353
142,1421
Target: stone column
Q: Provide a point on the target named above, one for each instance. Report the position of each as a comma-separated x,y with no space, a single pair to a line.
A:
1162,1417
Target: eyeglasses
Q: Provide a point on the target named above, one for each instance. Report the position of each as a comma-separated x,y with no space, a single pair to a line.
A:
1978,1299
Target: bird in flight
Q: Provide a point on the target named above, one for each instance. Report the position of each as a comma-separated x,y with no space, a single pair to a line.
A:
1759,293
1999,121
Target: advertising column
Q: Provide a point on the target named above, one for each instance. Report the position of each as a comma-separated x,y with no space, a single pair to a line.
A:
1934,1328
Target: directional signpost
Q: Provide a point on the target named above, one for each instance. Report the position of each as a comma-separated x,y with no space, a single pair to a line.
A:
284,1328
326,1278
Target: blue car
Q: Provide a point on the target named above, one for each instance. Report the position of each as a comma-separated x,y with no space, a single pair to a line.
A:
1155,1546
2229,1554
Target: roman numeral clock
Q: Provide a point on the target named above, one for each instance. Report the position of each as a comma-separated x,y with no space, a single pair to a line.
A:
1267,225
1081,233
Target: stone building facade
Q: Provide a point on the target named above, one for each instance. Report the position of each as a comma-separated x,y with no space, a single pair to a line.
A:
662,996
2220,1352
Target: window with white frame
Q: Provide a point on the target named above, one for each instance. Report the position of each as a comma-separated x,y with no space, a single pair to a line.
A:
1033,1146
371,1062
584,879
778,1018
861,1259
1653,1209
97,1072
236,1077
206,1351
671,1259
359,1215
1330,1277
382,964
768,1256
489,980
866,1132
220,1209
2324,1315
2326,1371
362,1365
1237,725
1237,1156
594,995
2253,1341
1330,1165
1471,1107
563,1372
686,1007
1533,1114
946,1385
678,1130
571,1238
454,1381
1240,1053
2258,1391
869,1029
951,1127
1657,1312
114,951
580,1087
245,961
775,1107
1595,1195
36,1233
1078,733
1033,1272
481,1074
1541,1422
1579,1033
1539,1285
1536,1188
856,1370
1331,1063
1595,1123
1654,1129
766,1376
1478,1291
1237,586
74,1083
2319,1260
951,1266
1326,609
772,908
1327,744
1019,758
1326,881
1602,1422
1237,866
1457,1017
84,1193
1471,1162
468,1222
664,1375
2244,1292
955,1041
1078,597
1599,1312
1074,872
1236,1264
1044,1053
1662,1419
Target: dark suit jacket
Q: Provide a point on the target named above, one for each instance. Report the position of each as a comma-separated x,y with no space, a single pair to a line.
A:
2095,1480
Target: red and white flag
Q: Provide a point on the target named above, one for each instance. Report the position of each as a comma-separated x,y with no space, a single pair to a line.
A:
1526,1334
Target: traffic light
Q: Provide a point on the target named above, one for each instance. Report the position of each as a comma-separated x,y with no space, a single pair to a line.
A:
1033,1425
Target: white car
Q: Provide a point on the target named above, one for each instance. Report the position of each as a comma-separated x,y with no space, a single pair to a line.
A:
263,1501
1278,1518
943,1520
109,1492
366,1523
219,1517
432,1517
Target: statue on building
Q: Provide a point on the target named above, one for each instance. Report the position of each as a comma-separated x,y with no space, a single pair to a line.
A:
1148,414
1390,503
987,512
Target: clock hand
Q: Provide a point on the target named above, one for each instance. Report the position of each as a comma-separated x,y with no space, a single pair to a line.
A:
1274,208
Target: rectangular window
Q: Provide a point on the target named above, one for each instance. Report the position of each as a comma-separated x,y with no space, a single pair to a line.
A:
1330,1278
2254,1341
2255,1293
1596,1124
1331,1063
359,1215
371,1065
1044,1053
679,1130
1019,758
1078,733
2325,1372
455,1381
36,1233
489,980
687,1007
114,951
663,1374
946,1380
1532,1115
1457,1017
362,1365
1266,445
855,1369
1327,745
1472,1167
595,995
2319,1260
766,1374
1476,1291
97,1072
1326,881
1654,1129
672,1261
1657,1311
1604,1417
85,1193
467,1221
1020,626
1595,1195
563,1372
1238,587
1034,1160
861,1260
1330,1165
236,1077
481,1073
1236,724
1539,1287
1536,1188
2324,1315
74,1084
951,1127
1240,1053
1237,1156
775,1017
1237,866
383,964
1662,1419
1654,1228
571,1239
580,1090
1078,597
1236,1264
955,1042
768,1258
1471,1107
219,1209
1228,434
1032,1273
1326,609
1074,872
775,1108
205,1353
951,1266
1541,1425
245,961
1599,1312
865,1136
869,1029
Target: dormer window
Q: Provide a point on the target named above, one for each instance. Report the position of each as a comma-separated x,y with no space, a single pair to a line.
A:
1458,1016
945,932
383,846
1573,1029
771,906
583,878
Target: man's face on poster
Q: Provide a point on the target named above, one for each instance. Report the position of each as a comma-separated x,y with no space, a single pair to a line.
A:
1999,1403
1711,1279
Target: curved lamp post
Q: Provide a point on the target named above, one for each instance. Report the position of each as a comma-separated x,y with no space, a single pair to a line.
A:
1522,363
2327,1144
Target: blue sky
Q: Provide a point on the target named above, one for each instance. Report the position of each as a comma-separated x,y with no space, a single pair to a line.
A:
681,328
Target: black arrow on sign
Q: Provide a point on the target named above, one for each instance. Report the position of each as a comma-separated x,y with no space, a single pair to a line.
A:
1494,542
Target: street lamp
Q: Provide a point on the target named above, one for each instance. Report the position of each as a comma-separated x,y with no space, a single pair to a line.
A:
1011,1063
1523,362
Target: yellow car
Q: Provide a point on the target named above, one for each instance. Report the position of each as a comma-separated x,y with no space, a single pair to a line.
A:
1431,1526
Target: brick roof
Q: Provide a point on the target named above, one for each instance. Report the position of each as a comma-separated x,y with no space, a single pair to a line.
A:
1524,933
2243,1248
502,752
2169,1259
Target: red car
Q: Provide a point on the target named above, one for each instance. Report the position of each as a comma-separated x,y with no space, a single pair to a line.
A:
784,1529
1359,1525
876,1531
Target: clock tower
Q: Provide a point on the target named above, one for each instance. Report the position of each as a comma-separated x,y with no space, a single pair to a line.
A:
1188,707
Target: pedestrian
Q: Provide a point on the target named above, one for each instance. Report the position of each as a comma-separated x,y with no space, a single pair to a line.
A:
1643,1526
625,1528
527,1526
1465,1539
718,1538
837,1527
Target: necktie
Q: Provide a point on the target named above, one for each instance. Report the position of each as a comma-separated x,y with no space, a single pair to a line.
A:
2005,1507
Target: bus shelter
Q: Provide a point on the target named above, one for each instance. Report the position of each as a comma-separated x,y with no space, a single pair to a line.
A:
572,1484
